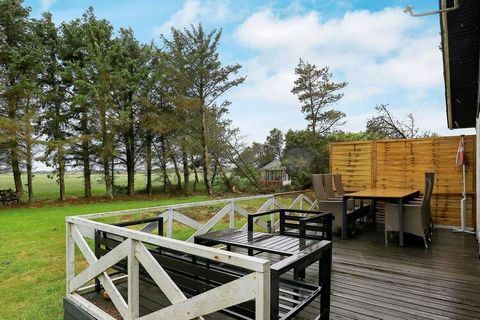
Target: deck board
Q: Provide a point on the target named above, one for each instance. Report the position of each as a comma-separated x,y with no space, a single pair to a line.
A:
373,281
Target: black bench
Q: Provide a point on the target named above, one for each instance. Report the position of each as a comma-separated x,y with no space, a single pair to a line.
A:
298,229
195,275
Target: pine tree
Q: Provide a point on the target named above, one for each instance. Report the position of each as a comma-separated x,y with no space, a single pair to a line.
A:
74,58
316,92
130,72
19,64
54,120
209,80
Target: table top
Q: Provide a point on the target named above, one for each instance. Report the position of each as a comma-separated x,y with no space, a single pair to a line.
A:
380,193
267,242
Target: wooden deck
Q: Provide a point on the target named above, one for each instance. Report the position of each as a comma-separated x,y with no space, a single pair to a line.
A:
374,281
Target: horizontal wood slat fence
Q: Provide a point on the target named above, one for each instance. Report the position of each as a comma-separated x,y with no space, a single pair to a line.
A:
402,163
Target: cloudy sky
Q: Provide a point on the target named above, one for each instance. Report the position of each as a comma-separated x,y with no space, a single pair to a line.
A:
383,54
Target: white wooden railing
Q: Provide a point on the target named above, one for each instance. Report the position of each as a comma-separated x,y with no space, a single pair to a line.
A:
253,286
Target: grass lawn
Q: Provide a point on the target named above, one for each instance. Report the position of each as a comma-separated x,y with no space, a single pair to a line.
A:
45,186
32,250
32,256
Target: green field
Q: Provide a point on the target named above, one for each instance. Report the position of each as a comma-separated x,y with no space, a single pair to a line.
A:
32,251
46,188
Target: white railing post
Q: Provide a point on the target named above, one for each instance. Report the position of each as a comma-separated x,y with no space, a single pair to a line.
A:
170,222
262,299
232,214
70,256
133,283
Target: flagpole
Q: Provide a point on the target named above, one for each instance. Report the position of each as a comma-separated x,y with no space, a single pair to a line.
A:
463,201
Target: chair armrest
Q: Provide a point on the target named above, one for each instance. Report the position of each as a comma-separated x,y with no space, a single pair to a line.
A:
325,219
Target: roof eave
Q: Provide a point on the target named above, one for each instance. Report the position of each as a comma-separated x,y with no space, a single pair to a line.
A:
446,63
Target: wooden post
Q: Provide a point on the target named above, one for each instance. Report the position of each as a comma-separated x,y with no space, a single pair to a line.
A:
133,283
324,279
262,301
274,294
170,222
70,256
232,214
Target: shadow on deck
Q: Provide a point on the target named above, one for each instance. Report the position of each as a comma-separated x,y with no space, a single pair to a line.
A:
374,281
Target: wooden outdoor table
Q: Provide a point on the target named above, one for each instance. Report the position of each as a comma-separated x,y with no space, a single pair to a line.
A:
391,194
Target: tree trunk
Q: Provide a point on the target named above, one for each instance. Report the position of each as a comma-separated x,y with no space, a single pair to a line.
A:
196,174
112,174
186,172
148,161
29,171
29,158
14,158
107,178
166,180
206,159
17,175
61,172
106,154
130,166
214,174
130,144
313,113
28,141
86,156
227,181
177,172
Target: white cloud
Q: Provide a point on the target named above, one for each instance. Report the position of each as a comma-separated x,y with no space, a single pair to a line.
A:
385,56
46,4
193,12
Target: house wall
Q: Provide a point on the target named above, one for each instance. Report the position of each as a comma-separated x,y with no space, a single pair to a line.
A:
402,164
478,174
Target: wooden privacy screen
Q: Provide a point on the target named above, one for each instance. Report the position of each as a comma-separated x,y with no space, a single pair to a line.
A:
402,163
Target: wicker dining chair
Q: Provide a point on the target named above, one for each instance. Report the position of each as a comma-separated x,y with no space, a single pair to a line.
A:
335,206
363,205
428,191
328,184
415,217
337,179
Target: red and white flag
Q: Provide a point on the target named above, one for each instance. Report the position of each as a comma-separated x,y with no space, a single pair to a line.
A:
460,161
